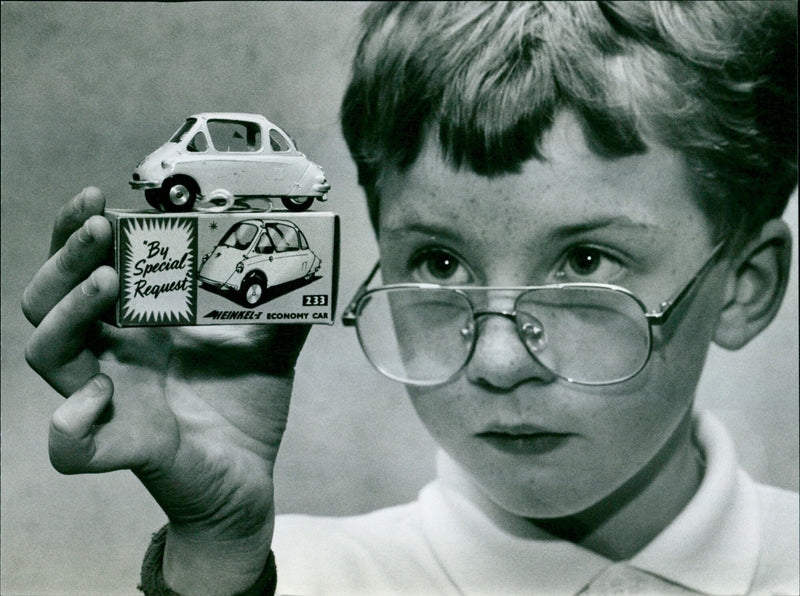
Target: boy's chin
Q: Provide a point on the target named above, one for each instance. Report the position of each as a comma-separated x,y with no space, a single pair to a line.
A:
538,500
536,506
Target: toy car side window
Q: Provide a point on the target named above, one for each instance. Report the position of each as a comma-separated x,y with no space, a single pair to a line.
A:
277,141
277,238
239,236
234,135
303,241
198,144
290,237
183,130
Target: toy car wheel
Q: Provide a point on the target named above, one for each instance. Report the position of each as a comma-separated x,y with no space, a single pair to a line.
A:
252,290
178,195
297,203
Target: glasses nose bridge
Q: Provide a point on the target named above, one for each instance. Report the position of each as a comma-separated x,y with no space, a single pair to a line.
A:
530,330
505,306
503,361
511,315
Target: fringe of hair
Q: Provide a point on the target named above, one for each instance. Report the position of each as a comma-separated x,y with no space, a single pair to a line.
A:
713,80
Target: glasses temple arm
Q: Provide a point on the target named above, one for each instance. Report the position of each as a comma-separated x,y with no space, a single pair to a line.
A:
349,313
667,307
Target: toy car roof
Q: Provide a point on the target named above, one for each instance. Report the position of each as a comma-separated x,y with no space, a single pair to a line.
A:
234,116
260,222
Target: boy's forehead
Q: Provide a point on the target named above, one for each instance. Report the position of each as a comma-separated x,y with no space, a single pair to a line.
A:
570,188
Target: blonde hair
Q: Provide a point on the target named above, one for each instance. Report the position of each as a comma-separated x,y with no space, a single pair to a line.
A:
714,80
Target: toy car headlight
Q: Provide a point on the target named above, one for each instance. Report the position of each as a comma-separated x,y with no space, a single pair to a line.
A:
239,267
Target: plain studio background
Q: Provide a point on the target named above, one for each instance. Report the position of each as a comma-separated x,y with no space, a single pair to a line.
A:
88,89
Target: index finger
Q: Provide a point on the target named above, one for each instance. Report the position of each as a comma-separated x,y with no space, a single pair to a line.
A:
84,251
90,201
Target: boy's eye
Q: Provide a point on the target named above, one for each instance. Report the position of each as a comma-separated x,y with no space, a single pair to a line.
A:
587,263
439,266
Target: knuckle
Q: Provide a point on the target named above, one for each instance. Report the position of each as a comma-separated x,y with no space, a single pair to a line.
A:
59,463
62,216
41,362
67,454
28,304
64,259
66,219
32,356
62,464
59,426
73,214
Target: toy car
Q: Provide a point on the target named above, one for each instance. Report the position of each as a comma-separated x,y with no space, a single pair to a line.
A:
257,254
226,156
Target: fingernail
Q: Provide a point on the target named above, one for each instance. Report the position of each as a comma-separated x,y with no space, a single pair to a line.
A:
89,287
85,234
77,202
99,385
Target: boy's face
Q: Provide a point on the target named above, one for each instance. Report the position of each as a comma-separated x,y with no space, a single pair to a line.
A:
540,446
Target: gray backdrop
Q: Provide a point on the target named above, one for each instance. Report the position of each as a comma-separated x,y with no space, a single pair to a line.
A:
87,91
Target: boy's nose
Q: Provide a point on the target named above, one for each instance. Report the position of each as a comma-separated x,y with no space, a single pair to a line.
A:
500,360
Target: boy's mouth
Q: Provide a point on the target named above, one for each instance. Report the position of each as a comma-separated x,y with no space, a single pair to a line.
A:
523,440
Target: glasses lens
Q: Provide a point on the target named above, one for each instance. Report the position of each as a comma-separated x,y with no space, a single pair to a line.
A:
417,336
587,335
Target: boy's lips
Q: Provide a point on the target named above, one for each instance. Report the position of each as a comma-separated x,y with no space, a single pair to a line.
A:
523,439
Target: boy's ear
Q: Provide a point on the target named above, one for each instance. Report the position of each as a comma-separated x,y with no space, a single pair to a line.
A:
755,286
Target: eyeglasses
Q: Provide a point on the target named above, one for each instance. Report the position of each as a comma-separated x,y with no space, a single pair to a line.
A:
584,333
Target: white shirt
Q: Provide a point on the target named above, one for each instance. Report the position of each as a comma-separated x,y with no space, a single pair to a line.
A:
734,537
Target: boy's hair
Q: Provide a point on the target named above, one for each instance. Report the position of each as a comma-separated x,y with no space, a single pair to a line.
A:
713,80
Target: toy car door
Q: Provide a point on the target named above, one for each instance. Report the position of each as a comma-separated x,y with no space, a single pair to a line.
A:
237,165
287,165
290,261
232,249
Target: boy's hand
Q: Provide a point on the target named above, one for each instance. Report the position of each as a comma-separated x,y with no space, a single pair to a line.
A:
196,412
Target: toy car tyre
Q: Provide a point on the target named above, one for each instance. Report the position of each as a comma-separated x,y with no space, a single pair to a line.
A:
153,198
297,203
252,290
178,195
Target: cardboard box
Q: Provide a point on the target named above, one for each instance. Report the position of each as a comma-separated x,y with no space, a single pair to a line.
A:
240,267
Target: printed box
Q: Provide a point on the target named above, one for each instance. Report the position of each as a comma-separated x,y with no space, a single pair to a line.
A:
240,267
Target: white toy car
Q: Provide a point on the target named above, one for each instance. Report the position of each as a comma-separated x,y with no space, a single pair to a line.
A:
226,156
257,254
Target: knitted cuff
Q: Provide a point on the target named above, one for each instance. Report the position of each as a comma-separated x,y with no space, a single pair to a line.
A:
153,583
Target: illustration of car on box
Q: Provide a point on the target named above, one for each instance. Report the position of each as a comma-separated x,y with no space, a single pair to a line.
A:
256,255
219,157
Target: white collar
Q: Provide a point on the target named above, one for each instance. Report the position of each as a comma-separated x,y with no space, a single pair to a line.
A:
711,547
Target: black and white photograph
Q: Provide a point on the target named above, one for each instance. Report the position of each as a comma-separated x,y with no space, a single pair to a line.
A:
399,298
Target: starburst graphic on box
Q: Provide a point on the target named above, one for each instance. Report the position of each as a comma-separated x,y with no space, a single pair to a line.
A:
158,285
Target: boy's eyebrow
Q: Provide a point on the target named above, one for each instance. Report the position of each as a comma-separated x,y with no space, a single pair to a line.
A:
425,229
621,222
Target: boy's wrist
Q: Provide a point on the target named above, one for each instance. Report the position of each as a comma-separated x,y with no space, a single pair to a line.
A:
196,563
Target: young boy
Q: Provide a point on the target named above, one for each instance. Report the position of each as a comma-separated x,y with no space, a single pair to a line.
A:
572,201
